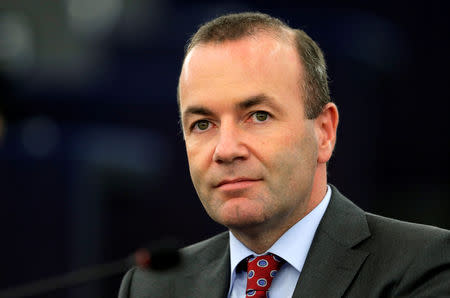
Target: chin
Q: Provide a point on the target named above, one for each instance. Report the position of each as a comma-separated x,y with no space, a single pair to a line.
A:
240,218
244,225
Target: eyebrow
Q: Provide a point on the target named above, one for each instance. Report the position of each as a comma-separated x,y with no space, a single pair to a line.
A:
247,103
197,110
256,100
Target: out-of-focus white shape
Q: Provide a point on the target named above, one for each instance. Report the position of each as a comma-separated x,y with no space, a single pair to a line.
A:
93,18
16,44
40,136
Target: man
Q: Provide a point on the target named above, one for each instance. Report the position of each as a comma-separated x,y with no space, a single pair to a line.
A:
259,129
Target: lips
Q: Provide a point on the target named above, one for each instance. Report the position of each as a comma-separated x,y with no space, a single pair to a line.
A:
236,180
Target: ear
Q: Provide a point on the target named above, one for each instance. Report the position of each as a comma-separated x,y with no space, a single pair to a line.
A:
326,126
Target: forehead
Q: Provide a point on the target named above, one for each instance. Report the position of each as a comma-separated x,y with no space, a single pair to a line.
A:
234,68
262,47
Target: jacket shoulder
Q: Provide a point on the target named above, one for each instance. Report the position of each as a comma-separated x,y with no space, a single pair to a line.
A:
409,259
142,283
403,258
404,233
206,247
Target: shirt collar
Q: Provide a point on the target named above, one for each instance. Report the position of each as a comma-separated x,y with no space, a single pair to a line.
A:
293,245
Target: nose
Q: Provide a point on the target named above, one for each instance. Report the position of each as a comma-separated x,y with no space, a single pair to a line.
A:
231,145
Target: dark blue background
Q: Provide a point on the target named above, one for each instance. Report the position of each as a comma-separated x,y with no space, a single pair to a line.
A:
92,162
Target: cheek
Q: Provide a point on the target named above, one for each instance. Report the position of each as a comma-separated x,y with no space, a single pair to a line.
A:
192,156
199,157
293,155
194,151
292,175
282,147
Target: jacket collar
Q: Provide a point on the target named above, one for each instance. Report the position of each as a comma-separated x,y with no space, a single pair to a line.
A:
209,275
330,266
333,260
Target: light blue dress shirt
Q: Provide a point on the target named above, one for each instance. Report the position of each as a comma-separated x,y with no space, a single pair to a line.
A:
293,247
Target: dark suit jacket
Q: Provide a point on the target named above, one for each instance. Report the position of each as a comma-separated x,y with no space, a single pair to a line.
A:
353,254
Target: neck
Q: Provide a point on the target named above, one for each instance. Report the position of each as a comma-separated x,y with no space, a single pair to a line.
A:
260,238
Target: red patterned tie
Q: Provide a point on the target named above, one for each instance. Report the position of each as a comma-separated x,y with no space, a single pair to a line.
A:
260,273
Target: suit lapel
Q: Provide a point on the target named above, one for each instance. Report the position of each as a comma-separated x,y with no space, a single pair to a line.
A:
210,276
332,261
212,281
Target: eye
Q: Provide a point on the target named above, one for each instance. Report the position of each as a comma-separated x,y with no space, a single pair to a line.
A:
201,125
260,116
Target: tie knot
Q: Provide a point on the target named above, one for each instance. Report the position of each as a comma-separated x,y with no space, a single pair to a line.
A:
260,273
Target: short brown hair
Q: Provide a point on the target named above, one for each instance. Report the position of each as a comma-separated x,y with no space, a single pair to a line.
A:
239,25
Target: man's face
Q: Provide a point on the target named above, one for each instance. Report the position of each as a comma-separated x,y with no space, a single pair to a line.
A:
252,154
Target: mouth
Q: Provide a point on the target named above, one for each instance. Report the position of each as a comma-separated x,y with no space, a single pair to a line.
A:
238,181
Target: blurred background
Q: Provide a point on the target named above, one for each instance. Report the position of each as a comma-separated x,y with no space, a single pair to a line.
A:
92,162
